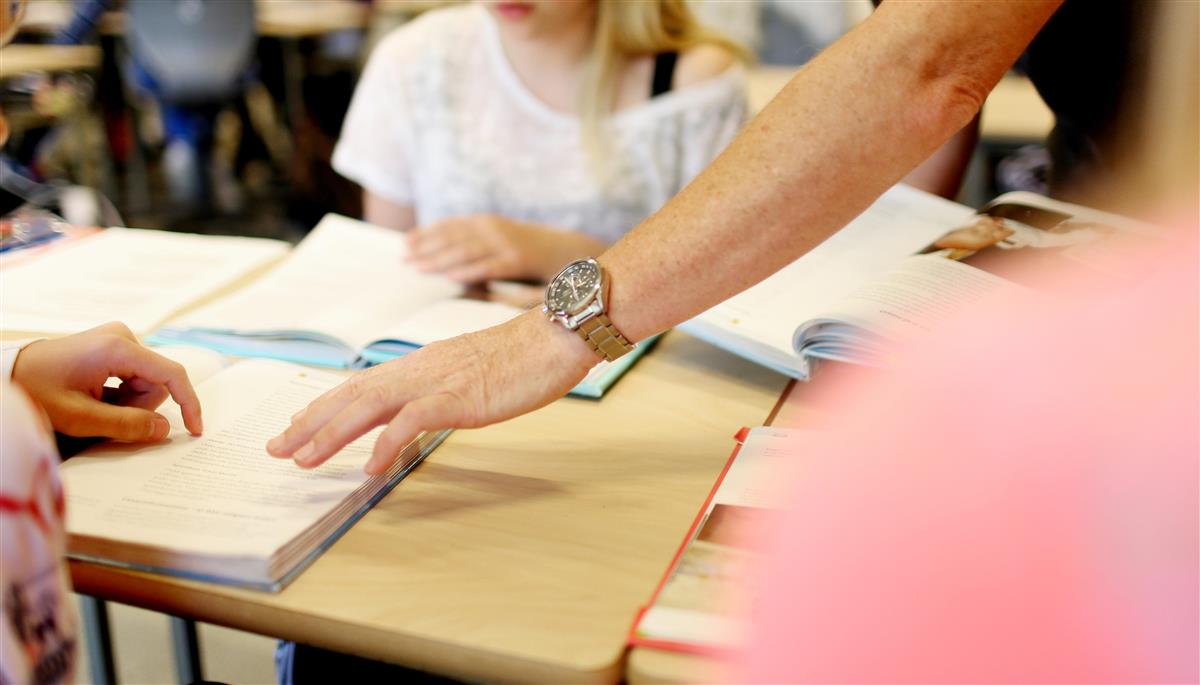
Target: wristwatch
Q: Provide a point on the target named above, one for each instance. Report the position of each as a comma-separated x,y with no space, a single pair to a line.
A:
576,297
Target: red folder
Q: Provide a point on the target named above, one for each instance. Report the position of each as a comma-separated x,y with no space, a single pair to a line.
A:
633,640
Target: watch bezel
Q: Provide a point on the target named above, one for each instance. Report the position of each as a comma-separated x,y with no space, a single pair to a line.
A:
595,306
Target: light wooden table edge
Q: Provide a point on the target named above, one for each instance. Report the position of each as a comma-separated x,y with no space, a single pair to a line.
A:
243,613
659,667
31,59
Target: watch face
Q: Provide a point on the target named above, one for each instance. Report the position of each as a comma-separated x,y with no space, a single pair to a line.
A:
574,288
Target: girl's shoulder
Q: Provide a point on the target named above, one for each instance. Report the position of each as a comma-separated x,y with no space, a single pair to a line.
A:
702,63
709,82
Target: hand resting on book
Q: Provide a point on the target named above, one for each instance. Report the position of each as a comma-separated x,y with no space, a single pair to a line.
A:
67,377
485,247
465,382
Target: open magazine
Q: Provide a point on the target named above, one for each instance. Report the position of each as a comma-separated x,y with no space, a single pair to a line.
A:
908,262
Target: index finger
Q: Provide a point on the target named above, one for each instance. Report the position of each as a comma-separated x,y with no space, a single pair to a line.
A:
133,360
426,239
312,418
437,236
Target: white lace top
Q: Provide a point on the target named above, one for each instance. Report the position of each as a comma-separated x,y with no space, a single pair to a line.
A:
441,122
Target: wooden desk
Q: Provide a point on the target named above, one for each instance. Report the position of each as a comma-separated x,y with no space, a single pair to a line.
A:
16,60
659,667
1013,112
518,552
48,17
305,18
277,18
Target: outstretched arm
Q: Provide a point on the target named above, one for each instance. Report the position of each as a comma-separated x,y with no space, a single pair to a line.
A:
849,125
852,123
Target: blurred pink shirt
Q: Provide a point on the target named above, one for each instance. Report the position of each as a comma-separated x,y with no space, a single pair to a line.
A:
1018,503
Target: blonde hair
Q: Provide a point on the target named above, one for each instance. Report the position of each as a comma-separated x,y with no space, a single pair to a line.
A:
626,30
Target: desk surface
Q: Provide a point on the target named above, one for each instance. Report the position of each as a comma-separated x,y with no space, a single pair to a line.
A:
301,18
1014,111
279,18
518,552
47,17
23,59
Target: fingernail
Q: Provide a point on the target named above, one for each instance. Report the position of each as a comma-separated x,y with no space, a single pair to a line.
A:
159,427
275,443
304,453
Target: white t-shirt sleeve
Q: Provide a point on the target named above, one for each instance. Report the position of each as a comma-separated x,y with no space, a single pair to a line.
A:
8,356
38,628
373,149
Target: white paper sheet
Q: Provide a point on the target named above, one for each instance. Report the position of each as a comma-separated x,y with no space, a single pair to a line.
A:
347,279
220,493
136,276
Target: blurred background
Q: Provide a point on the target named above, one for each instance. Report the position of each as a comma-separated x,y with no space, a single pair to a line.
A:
241,140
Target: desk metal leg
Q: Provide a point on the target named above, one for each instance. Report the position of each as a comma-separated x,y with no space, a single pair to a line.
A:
99,640
187,650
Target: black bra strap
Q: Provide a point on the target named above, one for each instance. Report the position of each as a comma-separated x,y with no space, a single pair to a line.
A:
664,73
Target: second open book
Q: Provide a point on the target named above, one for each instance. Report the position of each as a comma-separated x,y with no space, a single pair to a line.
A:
345,297
910,261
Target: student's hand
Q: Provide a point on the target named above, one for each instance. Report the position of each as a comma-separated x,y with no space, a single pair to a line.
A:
465,382
66,378
483,247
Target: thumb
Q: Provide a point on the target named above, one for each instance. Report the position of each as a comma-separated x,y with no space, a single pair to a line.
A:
92,418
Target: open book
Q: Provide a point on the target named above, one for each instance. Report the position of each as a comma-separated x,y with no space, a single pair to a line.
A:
218,507
140,277
908,262
346,298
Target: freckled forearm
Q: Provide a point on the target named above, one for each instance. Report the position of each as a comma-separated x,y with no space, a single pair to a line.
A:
848,126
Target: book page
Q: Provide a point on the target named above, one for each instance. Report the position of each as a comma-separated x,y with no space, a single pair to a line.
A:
1013,245
347,279
916,296
449,318
220,493
200,364
139,277
899,223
